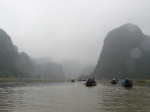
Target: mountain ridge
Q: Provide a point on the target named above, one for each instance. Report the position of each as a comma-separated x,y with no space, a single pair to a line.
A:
123,55
19,65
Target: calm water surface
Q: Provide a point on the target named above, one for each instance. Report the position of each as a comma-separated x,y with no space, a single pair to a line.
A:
74,97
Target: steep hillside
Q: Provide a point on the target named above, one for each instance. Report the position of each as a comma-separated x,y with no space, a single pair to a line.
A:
46,68
8,56
125,53
13,63
24,65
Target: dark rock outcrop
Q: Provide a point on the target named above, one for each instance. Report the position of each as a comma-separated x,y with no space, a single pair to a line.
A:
20,65
125,53
8,56
24,66
13,63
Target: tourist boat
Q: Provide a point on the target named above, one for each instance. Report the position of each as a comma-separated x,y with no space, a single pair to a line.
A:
72,80
114,81
91,82
126,83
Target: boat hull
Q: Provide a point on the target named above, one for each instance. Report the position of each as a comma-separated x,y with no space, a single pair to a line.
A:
91,84
129,85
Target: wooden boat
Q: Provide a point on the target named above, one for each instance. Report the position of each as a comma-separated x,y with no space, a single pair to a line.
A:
114,81
72,80
127,83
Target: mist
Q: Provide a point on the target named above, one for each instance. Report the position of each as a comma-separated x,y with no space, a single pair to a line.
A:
68,30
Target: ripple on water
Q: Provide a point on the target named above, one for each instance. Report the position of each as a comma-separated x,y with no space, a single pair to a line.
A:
74,97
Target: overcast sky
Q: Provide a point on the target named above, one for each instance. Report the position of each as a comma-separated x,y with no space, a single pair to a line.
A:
69,29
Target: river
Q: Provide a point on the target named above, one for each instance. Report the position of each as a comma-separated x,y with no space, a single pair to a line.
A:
73,97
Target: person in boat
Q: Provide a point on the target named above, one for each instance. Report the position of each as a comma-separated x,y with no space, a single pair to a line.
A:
93,81
114,81
130,80
127,82
89,80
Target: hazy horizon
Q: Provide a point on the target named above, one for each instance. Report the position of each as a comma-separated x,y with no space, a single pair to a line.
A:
68,30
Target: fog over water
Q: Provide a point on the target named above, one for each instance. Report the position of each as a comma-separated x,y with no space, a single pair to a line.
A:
69,29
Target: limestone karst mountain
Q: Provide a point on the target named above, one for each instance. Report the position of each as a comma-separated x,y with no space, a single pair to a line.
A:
125,53
20,65
13,63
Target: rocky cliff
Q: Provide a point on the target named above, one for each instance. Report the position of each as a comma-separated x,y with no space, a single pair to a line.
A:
125,53
20,65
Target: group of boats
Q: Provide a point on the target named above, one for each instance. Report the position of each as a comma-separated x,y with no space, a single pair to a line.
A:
125,82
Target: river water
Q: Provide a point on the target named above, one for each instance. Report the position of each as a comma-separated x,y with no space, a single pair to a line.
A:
73,97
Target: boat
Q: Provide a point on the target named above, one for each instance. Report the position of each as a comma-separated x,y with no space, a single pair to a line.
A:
114,81
127,83
91,84
72,80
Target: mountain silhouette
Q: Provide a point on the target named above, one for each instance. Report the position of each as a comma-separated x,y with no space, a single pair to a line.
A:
125,53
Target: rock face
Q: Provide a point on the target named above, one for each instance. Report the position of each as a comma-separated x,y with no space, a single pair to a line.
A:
24,65
125,53
8,56
20,65
13,63
51,71
46,68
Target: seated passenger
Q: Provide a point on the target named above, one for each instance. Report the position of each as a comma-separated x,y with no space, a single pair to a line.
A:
93,80
89,80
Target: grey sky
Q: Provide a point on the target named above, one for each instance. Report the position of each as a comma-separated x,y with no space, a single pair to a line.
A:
69,29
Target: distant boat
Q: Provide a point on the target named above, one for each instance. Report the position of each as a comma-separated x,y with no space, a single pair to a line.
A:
91,82
114,81
126,83
72,80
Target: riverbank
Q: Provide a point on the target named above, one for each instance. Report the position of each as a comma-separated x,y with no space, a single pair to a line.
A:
17,80
6,80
